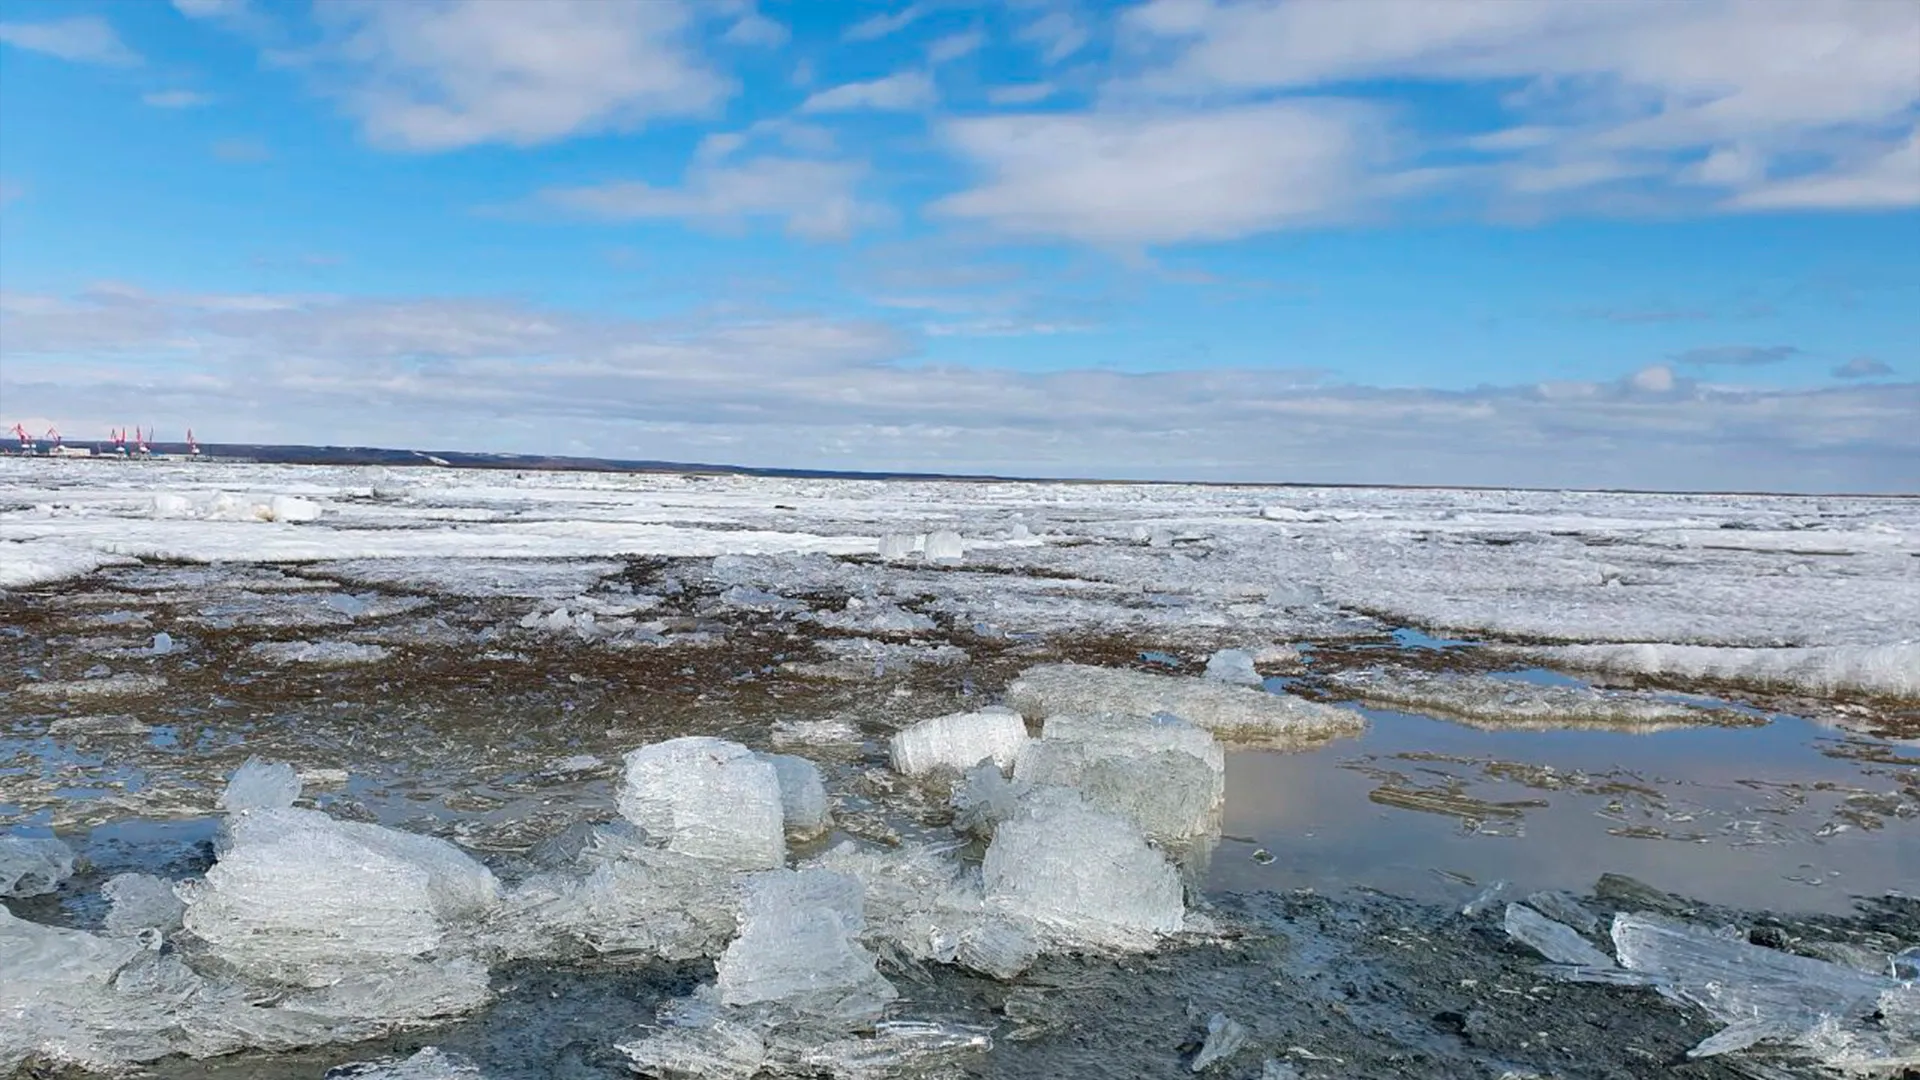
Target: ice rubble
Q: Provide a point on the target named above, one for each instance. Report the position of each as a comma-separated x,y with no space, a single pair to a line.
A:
319,653
33,866
959,741
1842,1017
1892,670
1485,701
123,684
431,1063
707,798
1233,712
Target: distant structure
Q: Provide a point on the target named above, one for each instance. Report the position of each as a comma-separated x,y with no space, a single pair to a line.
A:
193,448
26,440
58,448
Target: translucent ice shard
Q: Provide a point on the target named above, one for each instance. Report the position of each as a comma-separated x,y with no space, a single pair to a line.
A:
799,946
803,795
1234,666
708,798
960,741
141,902
1488,702
1225,1037
1227,711
33,866
257,785
1762,994
945,545
1087,878
1555,941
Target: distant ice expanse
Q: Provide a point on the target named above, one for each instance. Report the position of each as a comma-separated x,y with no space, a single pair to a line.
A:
1813,593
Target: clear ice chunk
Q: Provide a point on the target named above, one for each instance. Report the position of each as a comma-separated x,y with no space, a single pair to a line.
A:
708,798
141,902
803,795
945,545
799,946
1167,794
301,899
33,866
1234,666
1563,907
257,785
1767,995
1225,1037
1228,711
1088,878
959,741
1555,941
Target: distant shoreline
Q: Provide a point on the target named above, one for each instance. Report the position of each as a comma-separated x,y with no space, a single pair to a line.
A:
277,454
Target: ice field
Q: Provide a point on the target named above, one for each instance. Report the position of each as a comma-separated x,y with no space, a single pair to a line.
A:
427,773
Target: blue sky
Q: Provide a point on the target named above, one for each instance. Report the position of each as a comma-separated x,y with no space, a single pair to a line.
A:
1616,243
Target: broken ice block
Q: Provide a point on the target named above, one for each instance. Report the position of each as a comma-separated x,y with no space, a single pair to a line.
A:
1225,1037
1167,794
141,902
945,545
1563,907
803,796
302,899
1233,666
799,946
32,866
1555,941
257,785
1227,711
708,798
897,546
1088,878
291,509
960,741
1764,994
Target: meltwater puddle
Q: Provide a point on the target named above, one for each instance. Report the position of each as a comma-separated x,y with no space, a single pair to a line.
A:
1785,815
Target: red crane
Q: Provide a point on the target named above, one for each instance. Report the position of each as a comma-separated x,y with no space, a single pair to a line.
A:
53,436
193,448
26,440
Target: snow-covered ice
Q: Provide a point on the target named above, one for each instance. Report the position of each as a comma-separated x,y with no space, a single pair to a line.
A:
1231,712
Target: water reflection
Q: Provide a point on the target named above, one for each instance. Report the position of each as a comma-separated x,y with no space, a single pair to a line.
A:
1778,816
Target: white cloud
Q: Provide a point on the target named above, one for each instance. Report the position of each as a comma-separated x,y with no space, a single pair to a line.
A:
885,24
1657,379
447,74
1021,93
902,91
83,39
176,99
755,29
815,199
1125,178
1880,181
1614,93
954,46
1057,35
1862,367
808,391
